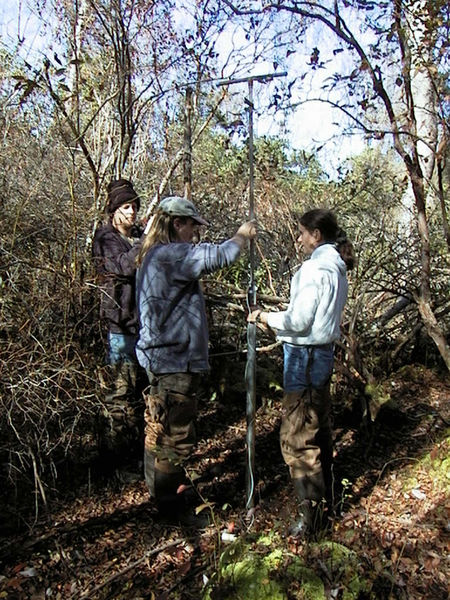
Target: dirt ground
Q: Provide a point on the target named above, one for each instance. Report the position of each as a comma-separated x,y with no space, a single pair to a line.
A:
392,480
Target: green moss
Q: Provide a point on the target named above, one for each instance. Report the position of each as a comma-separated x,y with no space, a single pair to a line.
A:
378,394
273,560
247,577
437,466
270,539
232,553
344,566
311,586
249,571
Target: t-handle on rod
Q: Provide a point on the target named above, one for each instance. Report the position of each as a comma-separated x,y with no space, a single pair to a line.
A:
250,370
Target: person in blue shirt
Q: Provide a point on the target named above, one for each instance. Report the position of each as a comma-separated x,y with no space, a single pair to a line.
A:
173,336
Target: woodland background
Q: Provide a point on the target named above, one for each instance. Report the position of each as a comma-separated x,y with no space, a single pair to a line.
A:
129,88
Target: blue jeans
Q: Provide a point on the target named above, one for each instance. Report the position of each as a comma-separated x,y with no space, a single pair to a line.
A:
307,366
121,348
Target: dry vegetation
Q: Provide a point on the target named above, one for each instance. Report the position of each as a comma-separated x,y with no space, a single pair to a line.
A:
73,526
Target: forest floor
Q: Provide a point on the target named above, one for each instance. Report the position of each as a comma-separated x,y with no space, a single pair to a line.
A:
389,539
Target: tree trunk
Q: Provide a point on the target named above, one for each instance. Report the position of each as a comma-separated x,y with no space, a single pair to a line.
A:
434,331
423,92
420,158
424,300
440,168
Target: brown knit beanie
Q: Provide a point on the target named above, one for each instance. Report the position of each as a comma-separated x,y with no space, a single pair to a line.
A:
120,191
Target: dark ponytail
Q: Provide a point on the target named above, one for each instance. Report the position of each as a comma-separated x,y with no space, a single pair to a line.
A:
345,249
325,221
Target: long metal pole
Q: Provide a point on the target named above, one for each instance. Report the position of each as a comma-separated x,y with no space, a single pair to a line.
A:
187,156
250,372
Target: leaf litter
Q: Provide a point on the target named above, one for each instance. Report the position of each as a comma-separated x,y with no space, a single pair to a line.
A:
393,511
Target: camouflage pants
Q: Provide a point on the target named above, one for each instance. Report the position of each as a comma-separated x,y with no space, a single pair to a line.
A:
170,413
306,439
123,408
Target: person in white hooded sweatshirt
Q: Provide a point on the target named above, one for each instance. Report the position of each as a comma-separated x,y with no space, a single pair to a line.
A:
308,329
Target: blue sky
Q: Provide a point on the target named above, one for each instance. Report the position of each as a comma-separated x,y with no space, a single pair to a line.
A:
311,126
314,124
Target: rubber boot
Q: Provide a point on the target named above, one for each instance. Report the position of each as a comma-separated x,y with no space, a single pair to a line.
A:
174,497
309,491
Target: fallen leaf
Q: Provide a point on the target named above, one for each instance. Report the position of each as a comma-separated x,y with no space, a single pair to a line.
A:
184,568
30,572
418,494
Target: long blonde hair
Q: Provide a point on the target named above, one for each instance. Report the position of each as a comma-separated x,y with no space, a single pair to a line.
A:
161,231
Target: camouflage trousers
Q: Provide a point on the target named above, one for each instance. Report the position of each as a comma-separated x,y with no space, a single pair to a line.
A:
170,435
306,440
123,408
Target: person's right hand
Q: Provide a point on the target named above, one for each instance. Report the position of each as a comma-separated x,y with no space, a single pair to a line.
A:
248,230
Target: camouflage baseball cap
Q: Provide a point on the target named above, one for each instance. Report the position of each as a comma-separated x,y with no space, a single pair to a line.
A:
181,207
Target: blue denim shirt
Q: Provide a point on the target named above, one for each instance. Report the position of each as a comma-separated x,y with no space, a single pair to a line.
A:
173,332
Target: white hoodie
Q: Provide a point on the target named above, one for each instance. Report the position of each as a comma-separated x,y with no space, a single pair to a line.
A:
318,295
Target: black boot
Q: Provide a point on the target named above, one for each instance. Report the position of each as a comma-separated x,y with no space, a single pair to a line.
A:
178,509
309,491
176,501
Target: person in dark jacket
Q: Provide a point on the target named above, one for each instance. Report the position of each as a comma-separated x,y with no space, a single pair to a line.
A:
116,246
